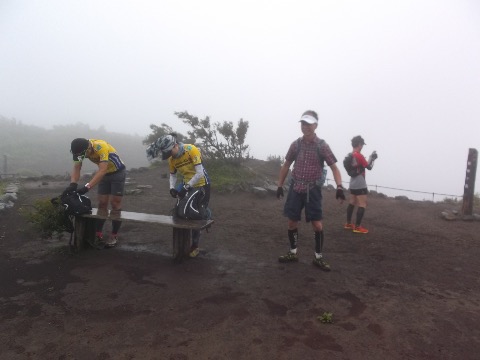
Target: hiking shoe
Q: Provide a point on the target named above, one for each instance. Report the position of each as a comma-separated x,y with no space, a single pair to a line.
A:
289,257
113,242
321,263
348,226
97,243
194,252
360,230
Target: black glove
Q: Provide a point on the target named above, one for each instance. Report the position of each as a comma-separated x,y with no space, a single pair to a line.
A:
173,192
82,190
374,155
70,188
183,191
340,194
279,192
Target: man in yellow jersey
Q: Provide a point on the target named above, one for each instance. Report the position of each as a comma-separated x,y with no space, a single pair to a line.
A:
110,178
186,160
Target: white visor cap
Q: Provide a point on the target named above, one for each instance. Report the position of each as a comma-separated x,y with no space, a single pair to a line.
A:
309,119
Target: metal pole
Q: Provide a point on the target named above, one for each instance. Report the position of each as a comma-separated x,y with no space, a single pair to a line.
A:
469,188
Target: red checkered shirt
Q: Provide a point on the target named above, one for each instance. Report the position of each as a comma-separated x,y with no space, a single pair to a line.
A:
307,167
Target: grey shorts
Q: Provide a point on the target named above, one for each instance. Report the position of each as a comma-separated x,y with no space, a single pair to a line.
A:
113,184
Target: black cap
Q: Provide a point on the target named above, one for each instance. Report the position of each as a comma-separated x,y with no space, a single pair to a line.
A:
358,140
79,145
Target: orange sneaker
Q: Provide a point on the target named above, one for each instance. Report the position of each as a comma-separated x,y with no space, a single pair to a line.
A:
360,230
348,226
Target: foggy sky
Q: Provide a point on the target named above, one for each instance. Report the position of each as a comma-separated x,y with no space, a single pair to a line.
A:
403,74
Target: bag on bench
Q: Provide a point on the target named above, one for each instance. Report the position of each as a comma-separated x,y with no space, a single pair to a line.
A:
76,204
190,206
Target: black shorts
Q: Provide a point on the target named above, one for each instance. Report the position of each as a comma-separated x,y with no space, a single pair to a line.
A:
363,191
296,202
113,184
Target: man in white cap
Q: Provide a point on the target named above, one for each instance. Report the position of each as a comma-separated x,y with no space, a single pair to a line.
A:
309,154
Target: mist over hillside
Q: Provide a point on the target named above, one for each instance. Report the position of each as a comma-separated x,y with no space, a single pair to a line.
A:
33,151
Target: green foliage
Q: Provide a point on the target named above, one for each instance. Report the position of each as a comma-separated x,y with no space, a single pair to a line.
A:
47,218
164,129
326,318
227,176
3,186
277,159
218,141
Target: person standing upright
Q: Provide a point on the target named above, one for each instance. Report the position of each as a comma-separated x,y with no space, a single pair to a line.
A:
308,154
358,185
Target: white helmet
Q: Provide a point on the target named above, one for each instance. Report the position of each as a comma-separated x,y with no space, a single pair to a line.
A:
165,144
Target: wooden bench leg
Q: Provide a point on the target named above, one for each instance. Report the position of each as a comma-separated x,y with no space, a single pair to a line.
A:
84,231
181,243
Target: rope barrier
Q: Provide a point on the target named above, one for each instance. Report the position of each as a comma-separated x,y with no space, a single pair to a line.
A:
407,190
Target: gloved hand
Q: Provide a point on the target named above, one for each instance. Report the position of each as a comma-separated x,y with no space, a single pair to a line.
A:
340,194
82,190
374,155
280,192
183,191
173,193
70,188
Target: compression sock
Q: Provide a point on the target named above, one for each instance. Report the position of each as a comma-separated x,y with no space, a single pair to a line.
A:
360,212
99,225
318,242
293,237
116,226
350,208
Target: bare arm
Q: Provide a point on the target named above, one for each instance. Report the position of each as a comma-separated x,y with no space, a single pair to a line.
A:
283,172
337,176
75,175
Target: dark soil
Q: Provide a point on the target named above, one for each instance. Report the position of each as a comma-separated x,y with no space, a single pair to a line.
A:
410,289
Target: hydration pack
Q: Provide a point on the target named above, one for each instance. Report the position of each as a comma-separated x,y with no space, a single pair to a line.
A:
351,169
76,204
190,207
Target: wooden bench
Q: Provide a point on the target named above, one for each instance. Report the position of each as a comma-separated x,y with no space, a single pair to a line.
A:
182,229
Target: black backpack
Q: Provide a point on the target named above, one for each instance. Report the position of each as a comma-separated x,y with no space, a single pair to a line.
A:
190,206
351,169
76,204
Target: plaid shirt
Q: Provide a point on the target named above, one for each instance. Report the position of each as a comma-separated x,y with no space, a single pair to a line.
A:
308,168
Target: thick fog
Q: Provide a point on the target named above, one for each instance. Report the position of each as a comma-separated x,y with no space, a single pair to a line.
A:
403,74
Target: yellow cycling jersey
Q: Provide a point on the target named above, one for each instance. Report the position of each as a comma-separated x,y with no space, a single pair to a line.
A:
102,151
185,164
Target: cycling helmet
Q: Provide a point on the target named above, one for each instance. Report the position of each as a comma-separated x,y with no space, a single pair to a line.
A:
79,147
165,144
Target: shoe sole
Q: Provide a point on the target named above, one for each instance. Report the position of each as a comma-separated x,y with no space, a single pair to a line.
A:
324,268
360,232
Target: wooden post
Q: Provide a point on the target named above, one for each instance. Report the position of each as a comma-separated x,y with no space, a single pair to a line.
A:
469,188
181,244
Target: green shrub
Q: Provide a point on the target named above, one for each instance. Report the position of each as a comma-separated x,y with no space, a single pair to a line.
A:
227,175
46,218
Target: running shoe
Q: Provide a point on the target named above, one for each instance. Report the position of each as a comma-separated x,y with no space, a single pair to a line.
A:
360,230
348,226
289,257
194,252
321,263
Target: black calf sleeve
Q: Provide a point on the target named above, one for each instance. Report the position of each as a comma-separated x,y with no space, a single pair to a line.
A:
318,241
350,208
293,237
116,226
99,225
360,212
